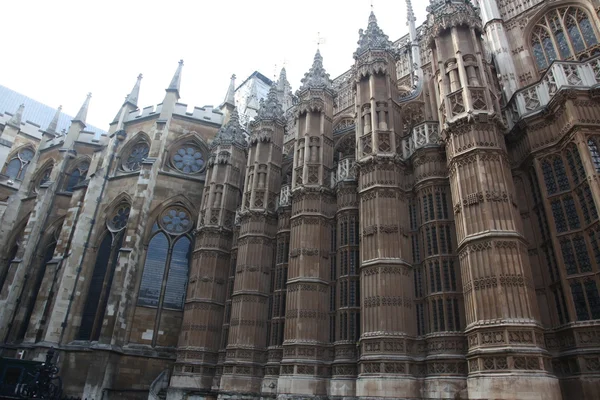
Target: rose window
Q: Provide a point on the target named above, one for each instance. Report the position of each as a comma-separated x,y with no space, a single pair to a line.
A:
176,220
188,160
137,155
119,219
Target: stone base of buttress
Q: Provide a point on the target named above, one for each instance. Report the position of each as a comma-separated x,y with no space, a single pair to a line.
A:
514,387
391,387
292,387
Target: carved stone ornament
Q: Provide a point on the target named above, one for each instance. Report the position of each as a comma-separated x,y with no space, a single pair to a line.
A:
232,132
316,77
373,38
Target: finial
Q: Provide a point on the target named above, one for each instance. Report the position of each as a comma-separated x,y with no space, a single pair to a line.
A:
132,97
176,81
316,77
82,113
15,120
372,38
54,123
410,14
320,40
230,95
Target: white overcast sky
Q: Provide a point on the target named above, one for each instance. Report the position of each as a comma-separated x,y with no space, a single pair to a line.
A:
57,51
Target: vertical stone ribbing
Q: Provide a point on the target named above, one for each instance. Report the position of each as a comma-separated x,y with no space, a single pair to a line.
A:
387,317
501,312
306,344
246,350
207,288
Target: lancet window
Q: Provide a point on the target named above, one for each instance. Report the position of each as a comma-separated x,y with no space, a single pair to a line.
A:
165,273
77,175
107,255
17,165
561,34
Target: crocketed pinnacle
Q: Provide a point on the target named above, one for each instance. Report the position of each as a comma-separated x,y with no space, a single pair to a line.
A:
232,132
16,119
373,38
270,108
82,113
132,98
282,82
316,77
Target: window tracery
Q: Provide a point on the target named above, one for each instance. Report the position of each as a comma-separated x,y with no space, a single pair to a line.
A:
17,165
563,33
595,153
188,159
77,175
135,157
167,258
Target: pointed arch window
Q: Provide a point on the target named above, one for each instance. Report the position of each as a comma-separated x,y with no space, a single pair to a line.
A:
17,165
135,157
595,153
165,273
562,33
77,175
101,280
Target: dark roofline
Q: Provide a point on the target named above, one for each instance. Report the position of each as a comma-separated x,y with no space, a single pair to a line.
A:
259,76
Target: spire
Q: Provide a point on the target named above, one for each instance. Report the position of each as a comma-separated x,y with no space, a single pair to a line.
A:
176,81
132,98
271,107
230,95
15,120
372,38
82,113
316,77
54,123
232,132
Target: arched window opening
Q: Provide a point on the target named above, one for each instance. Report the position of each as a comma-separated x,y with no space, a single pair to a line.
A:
102,275
595,153
165,274
561,34
17,165
77,175
135,157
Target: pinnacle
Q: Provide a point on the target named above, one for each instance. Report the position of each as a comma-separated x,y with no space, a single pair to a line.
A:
54,123
133,96
230,95
230,132
271,107
82,113
176,81
316,77
17,117
372,38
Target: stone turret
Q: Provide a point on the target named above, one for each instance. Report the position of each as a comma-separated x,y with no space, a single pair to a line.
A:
247,343
489,229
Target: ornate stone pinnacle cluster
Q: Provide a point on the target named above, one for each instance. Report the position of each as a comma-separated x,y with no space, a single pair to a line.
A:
372,38
316,77
270,108
232,132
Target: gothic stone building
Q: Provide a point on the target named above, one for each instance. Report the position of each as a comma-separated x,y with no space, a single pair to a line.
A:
423,226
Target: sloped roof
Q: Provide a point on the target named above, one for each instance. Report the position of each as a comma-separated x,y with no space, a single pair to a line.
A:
36,112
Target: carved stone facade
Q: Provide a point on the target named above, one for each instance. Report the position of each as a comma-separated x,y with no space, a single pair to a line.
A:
423,226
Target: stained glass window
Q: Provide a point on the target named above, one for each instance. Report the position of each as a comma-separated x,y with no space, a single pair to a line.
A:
431,205
583,205
188,159
549,177
136,156
17,166
590,202
593,147
568,256
77,175
591,291
559,217
564,31
120,217
561,174
167,259
45,177
583,258
571,212
425,209
579,301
